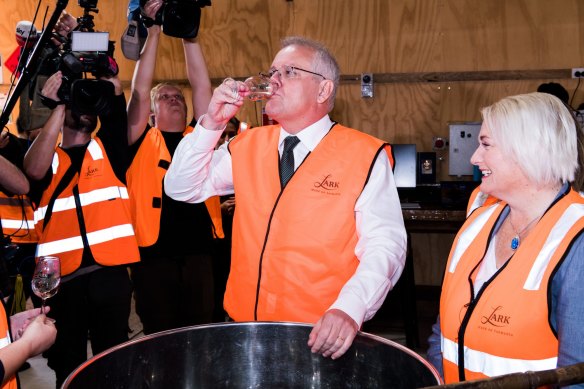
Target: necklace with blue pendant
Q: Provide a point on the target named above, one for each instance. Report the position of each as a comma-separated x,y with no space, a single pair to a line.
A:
516,241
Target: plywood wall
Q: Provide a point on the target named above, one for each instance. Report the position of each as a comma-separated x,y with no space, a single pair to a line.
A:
240,37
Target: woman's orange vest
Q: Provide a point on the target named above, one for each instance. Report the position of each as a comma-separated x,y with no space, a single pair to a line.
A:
5,340
506,328
145,177
477,199
17,218
102,201
294,249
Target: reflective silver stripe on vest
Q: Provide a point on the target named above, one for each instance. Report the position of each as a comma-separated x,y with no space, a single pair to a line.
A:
468,235
92,147
477,202
562,226
55,163
76,243
5,341
94,150
18,224
95,196
493,365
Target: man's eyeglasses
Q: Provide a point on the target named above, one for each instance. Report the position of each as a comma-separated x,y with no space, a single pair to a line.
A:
289,72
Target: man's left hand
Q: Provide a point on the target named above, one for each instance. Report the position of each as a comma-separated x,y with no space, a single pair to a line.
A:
333,334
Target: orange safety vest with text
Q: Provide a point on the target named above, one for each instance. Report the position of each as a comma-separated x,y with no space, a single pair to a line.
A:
5,340
505,328
145,177
17,218
294,249
100,199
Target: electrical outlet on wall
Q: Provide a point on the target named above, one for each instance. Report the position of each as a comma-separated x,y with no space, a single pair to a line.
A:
367,85
577,72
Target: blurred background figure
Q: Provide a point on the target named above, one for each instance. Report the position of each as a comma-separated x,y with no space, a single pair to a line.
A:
555,89
173,283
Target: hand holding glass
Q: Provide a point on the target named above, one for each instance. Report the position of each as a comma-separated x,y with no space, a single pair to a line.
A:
260,87
46,278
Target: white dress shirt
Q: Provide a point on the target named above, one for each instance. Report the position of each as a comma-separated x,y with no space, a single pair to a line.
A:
198,172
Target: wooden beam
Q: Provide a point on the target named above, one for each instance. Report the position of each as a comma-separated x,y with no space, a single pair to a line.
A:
388,78
496,75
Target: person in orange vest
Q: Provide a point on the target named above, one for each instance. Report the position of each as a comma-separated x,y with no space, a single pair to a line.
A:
318,232
512,298
18,231
16,211
83,217
27,333
173,283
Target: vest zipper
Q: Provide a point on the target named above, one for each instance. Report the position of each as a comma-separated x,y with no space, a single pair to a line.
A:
470,308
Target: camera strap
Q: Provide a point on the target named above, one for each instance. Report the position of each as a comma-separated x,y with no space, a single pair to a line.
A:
67,177
50,103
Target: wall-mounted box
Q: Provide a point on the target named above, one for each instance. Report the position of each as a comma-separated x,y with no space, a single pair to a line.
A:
462,144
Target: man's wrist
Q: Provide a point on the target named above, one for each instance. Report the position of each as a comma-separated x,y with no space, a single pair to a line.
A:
210,125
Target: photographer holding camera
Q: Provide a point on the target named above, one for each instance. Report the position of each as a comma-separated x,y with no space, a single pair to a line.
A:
173,283
90,229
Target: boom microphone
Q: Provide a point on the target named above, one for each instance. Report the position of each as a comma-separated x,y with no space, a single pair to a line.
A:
26,30
26,38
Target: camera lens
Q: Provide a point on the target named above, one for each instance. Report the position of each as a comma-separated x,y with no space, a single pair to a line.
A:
366,79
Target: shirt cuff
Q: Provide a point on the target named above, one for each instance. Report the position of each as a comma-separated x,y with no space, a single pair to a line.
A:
204,139
352,306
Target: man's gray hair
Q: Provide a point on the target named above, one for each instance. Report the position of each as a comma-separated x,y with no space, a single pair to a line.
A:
323,62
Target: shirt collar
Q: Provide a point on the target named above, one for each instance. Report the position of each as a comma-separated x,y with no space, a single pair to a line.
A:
311,135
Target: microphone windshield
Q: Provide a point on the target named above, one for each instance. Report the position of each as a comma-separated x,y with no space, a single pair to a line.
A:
24,28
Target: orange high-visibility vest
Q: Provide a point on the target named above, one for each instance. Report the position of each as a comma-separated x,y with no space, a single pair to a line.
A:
294,249
5,340
505,329
104,206
145,177
478,199
17,217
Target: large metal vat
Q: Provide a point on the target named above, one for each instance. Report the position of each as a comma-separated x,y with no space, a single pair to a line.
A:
251,355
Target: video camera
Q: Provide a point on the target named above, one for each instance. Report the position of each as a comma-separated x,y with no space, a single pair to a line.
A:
178,18
86,51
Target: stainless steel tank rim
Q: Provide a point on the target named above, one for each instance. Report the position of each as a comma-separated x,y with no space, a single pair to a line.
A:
145,338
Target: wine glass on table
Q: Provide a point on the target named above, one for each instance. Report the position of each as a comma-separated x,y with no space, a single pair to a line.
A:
46,278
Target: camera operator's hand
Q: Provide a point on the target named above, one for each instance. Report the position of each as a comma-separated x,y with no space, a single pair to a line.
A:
64,26
52,86
152,7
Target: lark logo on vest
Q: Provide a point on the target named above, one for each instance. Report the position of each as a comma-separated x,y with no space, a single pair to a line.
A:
91,171
496,318
327,185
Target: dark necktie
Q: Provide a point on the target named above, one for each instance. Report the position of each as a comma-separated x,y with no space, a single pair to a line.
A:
287,160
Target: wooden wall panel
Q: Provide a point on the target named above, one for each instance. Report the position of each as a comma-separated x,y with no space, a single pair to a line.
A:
386,37
240,37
